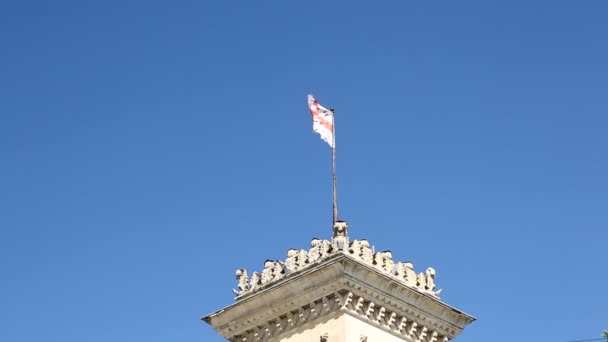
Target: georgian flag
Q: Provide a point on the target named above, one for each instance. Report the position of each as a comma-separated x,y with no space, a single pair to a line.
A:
322,120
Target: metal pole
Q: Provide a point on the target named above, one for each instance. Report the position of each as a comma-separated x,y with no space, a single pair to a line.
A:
333,157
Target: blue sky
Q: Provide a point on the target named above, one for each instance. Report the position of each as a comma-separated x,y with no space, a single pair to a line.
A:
148,149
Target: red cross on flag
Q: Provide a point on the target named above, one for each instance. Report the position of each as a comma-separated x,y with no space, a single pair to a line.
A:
322,120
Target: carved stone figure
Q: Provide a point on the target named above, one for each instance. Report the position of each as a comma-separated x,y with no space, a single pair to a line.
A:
387,261
410,275
314,253
291,260
430,279
302,259
355,248
326,248
382,260
320,249
340,229
367,254
255,281
421,281
267,273
377,260
399,271
279,270
241,276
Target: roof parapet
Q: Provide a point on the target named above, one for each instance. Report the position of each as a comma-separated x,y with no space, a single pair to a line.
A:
298,260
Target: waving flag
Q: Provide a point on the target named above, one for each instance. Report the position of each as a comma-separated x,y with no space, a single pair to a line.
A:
323,123
322,120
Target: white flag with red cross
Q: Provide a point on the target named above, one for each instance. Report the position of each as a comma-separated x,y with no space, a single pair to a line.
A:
322,120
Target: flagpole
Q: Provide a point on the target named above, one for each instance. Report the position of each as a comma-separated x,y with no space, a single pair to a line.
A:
333,159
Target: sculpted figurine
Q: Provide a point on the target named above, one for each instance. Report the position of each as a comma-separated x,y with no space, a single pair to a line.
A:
241,276
340,229
302,259
377,259
279,270
366,252
291,260
399,270
421,281
380,259
267,273
355,248
410,275
320,249
387,261
315,250
430,279
325,248
255,281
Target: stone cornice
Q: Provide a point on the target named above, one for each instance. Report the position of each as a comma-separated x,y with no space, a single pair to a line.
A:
339,284
367,282
298,260
284,296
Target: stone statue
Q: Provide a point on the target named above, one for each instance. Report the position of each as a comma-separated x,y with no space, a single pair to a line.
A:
314,253
267,273
255,281
376,259
279,270
340,229
430,279
367,254
399,270
410,275
382,260
326,248
387,261
421,281
355,248
291,261
302,259
320,249
241,276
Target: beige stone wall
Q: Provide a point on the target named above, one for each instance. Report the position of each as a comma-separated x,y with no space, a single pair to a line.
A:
312,332
344,328
355,328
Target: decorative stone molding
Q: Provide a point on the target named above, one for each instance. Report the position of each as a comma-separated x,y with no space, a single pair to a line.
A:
319,250
290,320
375,313
337,285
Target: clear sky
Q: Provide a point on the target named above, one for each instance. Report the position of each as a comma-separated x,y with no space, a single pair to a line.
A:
148,149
